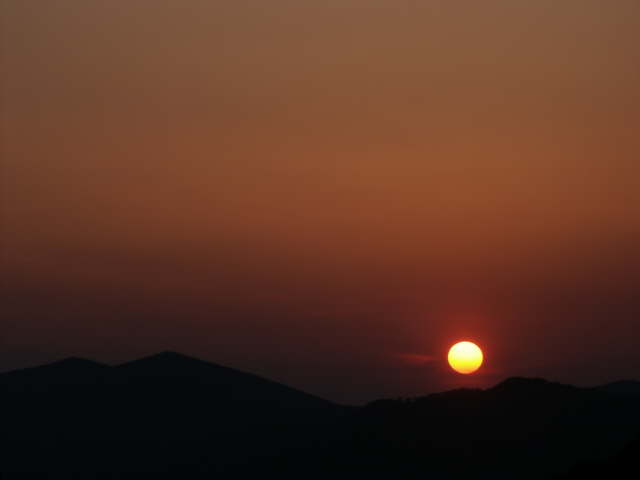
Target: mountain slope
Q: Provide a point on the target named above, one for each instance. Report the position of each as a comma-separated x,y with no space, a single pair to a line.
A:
156,414
622,387
227,384
180,417
168,371
521,428
70,371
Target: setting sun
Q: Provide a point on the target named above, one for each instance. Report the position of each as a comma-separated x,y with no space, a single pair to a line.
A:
465,357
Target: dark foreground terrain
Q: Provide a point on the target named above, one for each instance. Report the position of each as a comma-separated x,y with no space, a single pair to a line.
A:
180,417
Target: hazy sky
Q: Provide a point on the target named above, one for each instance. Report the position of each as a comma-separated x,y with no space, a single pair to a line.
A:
325,192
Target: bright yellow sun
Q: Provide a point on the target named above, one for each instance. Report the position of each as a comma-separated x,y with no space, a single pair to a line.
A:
465,357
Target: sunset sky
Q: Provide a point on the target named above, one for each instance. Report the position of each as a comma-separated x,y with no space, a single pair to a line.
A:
329,193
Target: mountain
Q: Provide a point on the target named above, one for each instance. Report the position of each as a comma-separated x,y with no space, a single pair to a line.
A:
167,370
532,386
155,414
170,368
623,464
70,371
177,416
622,387
521,428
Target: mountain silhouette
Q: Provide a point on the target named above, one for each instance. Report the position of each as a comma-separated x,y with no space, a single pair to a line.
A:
624,464
177,416
521,428
529,386
163,370
70,371
170,368
154,414
622,387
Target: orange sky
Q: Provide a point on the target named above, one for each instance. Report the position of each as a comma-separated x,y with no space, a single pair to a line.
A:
330,184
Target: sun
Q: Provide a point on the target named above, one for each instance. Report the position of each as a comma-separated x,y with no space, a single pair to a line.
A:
465,357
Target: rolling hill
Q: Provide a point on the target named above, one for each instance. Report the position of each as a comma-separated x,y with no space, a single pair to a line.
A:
177,416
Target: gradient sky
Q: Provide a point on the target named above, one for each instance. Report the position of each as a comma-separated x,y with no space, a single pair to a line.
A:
325,192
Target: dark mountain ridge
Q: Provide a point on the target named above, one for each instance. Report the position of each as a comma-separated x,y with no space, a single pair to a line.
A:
174,415
163,370
621,387
68,369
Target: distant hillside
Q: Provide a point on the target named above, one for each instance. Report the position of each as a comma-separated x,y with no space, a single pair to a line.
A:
623,464
177,416
71,371
154,414
165,370
623,387
521,428
226,383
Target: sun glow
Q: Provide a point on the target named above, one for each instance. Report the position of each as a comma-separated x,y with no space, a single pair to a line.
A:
465,357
